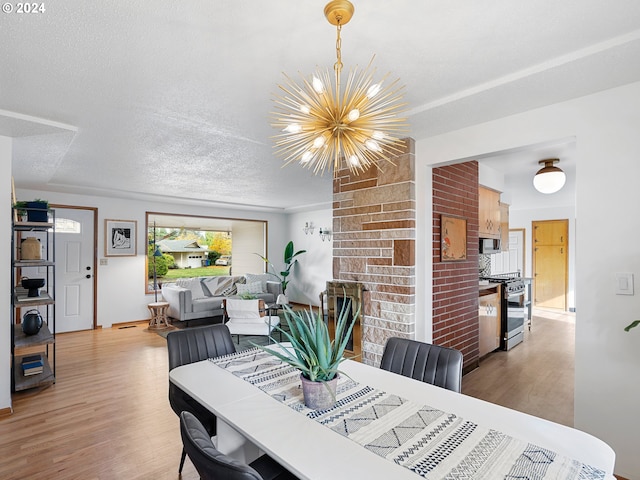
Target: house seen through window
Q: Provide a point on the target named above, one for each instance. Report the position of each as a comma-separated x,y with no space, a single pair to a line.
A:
191,246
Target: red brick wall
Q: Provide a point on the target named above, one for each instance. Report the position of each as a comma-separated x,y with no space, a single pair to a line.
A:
455,284
374,244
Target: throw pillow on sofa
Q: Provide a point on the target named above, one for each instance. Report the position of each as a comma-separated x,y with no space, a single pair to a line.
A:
253,287
233,288
218,286
263,278
210,285
192,284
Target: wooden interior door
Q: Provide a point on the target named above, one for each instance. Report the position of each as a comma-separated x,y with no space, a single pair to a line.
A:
550,263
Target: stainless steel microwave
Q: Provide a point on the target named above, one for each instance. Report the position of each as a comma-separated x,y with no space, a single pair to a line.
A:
489,245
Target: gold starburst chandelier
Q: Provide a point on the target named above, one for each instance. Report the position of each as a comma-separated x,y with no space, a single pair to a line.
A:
323,126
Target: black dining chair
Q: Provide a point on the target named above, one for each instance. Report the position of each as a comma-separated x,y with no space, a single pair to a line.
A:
213,465
192,345
440,366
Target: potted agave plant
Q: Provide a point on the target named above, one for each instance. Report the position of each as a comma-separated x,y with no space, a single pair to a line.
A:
314,353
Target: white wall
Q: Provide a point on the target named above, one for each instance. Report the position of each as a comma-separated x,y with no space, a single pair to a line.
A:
606,126
248,239
5,275
491,178
121,293
315,267
424,249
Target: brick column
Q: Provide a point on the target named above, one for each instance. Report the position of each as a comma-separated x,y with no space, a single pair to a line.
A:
374,244
455,284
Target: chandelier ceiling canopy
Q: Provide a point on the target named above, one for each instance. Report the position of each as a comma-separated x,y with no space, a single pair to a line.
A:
324,126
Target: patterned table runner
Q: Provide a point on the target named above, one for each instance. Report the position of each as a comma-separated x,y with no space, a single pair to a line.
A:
432,443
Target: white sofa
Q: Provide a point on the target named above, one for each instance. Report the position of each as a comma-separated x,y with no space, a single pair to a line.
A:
201,297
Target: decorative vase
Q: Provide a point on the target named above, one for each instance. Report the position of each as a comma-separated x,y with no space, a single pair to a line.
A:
32,322
319,395
282,300
30,249
33,285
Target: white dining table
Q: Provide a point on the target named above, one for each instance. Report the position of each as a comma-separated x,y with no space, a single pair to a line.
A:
251,421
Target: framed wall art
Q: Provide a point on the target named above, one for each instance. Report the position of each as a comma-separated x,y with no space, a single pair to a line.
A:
120,238
453,239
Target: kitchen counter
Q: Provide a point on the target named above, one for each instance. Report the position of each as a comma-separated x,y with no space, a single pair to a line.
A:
488,288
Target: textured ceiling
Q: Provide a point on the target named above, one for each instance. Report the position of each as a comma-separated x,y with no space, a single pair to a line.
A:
169,99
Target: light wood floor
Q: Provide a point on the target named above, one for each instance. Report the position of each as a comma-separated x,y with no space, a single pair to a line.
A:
537,376
108,416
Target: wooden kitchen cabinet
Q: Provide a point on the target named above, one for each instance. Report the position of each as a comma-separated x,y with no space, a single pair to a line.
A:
504,227
488,213
489,322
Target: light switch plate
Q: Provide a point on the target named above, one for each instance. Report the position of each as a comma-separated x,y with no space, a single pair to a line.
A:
104,261
624,283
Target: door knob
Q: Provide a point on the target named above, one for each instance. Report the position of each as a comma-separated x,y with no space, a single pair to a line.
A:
88,268
88,276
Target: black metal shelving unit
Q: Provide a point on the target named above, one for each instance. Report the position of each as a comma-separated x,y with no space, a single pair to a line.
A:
44,341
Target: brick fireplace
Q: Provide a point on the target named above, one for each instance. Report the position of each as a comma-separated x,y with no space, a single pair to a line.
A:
350,296
374,245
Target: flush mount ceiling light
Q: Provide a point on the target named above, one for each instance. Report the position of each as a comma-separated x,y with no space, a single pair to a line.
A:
325,127
549,179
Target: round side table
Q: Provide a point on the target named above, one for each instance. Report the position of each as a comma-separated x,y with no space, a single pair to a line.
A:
158,319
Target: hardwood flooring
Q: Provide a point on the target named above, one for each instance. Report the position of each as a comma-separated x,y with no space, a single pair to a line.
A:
108,416
535,377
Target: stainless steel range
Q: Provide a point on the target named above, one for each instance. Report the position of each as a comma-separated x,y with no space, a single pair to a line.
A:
512,308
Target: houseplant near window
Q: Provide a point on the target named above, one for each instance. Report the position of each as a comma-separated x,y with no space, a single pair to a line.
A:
633,324
36,210
289,260
314,353
21,213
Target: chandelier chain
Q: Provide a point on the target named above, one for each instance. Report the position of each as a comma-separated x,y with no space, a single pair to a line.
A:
338,65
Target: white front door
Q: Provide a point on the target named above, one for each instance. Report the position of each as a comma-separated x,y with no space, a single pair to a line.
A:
75,269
